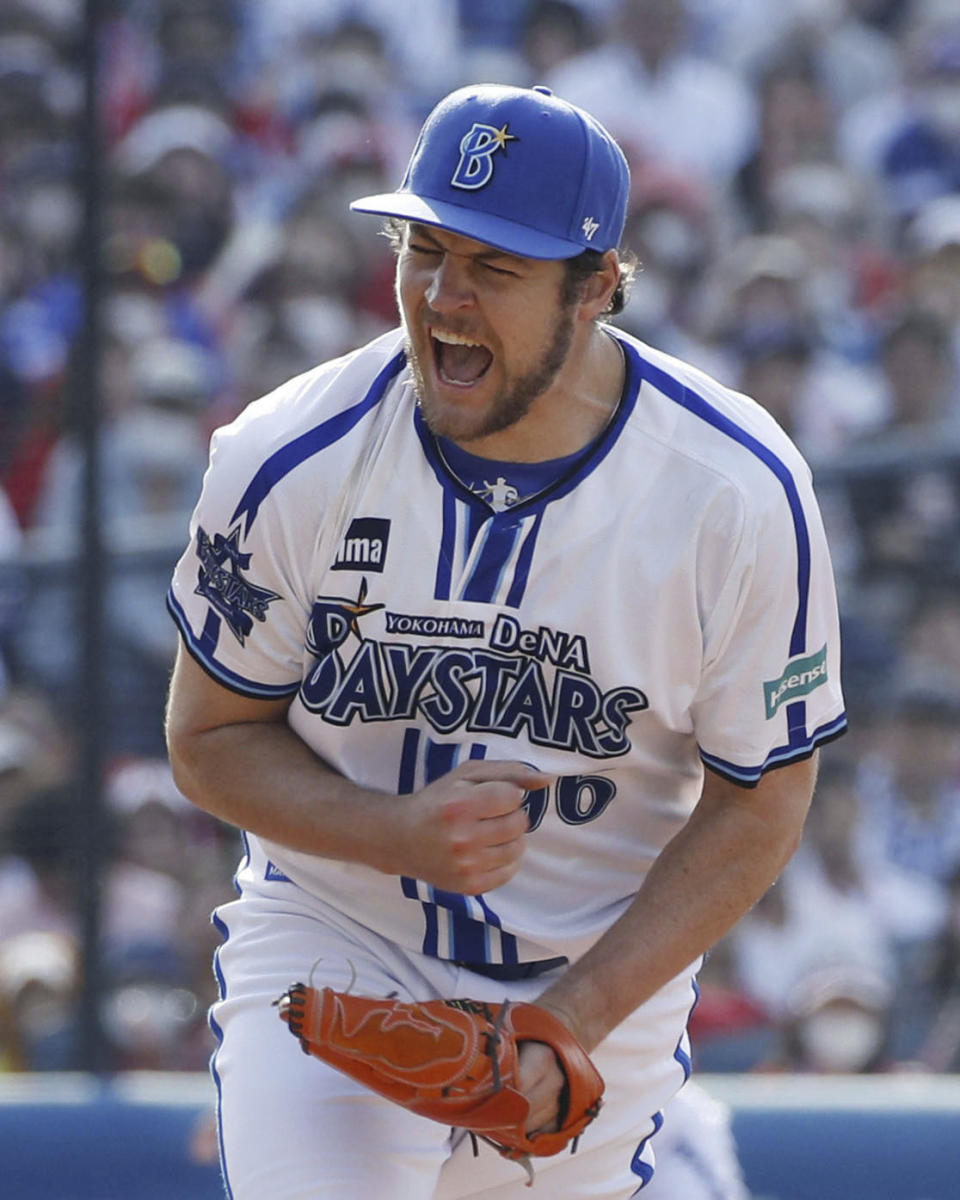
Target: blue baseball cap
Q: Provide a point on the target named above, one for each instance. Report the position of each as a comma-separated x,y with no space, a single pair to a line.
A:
516,168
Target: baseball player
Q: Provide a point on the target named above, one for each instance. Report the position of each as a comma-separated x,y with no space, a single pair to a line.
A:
509,642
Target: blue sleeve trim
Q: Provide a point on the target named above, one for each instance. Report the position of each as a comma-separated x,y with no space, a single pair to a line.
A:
201,649
780,757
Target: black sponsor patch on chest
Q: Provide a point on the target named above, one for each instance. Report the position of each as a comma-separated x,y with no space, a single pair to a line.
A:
364,547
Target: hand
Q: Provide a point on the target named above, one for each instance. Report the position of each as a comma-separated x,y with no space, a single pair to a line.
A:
541,1080
464,832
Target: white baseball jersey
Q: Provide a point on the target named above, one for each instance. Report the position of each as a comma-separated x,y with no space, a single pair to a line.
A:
667,603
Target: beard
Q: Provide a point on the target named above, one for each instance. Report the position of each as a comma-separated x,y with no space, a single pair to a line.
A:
512,403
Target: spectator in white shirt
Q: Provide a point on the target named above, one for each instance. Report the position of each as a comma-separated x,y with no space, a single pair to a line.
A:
659,98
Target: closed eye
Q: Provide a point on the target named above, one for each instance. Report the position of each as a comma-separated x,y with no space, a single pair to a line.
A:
429,250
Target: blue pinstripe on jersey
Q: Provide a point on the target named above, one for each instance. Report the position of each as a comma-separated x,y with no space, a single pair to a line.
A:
694,403
477,519
639,1166
221,926
499,539
522,572
800,744
469,936
448,543
290,456
210,633
467,514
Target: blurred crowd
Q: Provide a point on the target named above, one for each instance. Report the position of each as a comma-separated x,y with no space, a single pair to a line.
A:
796,211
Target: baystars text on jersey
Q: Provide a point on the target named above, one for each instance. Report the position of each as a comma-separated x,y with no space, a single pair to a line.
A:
516,681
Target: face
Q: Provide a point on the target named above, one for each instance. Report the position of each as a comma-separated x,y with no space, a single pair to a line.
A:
488,333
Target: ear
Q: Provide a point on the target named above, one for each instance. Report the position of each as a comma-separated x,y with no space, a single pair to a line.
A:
599,286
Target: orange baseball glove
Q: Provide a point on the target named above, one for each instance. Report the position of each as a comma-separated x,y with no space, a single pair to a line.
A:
454,1061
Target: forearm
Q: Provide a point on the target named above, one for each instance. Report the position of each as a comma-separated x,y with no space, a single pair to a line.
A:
261,777
712,872
238,758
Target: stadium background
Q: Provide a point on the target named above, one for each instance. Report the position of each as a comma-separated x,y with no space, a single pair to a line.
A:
174,241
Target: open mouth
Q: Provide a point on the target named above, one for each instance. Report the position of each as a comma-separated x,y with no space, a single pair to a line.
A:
460,361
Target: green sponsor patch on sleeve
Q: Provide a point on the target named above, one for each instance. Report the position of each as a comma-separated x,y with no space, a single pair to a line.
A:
800,676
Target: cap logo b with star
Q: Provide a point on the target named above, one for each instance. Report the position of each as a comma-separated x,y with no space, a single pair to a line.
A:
477,148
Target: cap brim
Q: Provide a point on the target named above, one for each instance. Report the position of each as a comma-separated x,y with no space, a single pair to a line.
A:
482,227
